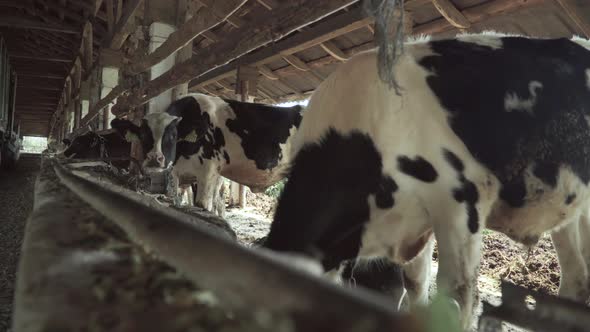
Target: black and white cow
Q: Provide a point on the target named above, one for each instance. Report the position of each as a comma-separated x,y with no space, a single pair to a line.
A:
206,137
488,131
98,144
246,142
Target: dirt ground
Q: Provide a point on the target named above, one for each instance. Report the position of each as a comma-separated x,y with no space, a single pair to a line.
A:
535,268
16,202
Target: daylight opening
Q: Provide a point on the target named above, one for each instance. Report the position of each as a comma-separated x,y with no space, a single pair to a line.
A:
32,144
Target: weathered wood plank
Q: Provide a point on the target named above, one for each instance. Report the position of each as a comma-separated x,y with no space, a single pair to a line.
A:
122,29
448,10
333,50
291,16
205,19
573,9
23,23
324,31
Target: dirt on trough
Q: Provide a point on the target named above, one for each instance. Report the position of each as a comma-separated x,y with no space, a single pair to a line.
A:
16,202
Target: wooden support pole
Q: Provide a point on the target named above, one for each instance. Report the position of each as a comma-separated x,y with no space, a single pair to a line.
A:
124,24
110,15
87,47
246,85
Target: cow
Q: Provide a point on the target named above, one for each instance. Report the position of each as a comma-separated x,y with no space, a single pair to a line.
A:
98,145
486,130
246,142
205,137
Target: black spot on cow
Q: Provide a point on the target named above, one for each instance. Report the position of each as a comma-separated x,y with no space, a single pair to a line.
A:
552,134
262,128
324,206
547,172
514,192
467,192
569,199
226,156
98,145
384,195
418,168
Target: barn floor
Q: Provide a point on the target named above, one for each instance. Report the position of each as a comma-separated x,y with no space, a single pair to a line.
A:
502,258
16,202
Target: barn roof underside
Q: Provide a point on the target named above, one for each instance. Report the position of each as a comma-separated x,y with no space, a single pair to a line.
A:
45,36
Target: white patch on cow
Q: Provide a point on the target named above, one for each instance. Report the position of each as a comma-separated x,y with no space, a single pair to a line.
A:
493,42
158,123
581,41
513,103
418,39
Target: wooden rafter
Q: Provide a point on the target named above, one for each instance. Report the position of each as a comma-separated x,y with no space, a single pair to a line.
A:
39,58
24,23
573,10
110,7
333,50
476,14
206,19
122,28
448,10
322,32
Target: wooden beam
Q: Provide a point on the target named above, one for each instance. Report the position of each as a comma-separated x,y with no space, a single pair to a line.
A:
477,14
122,29
88,46
40,87
324,31
97,5
38,58
268,4
333,50
206,19
290,17
267,72
573,8
22,23
110,16
448,10
210,35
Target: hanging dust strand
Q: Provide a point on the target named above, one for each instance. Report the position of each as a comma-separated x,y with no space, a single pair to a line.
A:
389,36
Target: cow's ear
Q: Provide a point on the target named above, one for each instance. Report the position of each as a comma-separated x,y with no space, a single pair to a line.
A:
127,129
66,141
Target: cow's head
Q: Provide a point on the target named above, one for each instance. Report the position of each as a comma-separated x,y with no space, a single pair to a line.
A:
157,135
83,146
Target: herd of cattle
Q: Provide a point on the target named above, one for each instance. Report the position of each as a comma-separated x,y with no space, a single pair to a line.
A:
488,131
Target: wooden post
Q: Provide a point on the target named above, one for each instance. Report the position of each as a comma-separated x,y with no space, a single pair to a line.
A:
183,15
246,81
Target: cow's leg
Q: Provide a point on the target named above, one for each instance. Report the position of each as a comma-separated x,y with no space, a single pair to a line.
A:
219,198
206,192
584,223
569,243
459,256
417,275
